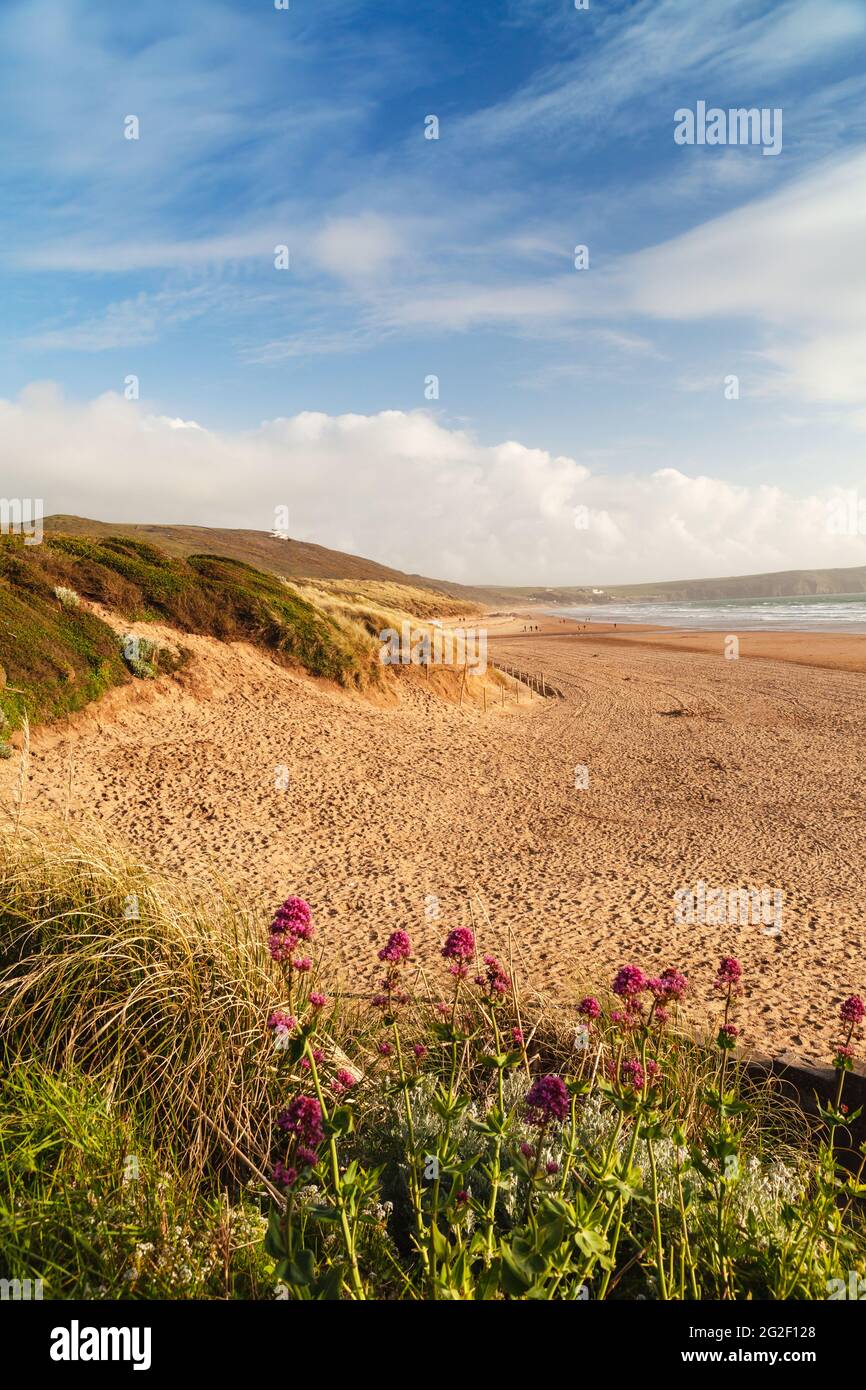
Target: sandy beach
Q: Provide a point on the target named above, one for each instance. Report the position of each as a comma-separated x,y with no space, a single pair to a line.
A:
567,824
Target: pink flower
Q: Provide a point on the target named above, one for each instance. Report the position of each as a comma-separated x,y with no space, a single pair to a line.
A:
526,1149
343,1081
398,948
843,1058
318,1001
318,1058
517,1036
547,1099
293,918
303,1118
459,945
495,981
671,984
384,1049
589,1008
728,973
551,1166
303,964
420,1050
730,1030
853,1009
280,1022
280,947
629,982
632,1018
283,1176
632,1074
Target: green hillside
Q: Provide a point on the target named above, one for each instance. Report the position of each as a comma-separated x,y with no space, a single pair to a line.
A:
55,656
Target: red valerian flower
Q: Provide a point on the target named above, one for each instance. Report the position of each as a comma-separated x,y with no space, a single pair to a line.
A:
303,1118
459,945
547,1099
398,948
728,974
293,918
853,1010
629,982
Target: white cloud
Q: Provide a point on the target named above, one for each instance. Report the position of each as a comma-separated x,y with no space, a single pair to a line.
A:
357,247
405,490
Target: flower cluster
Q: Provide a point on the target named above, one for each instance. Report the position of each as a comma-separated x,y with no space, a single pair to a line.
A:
546,1100
669,987
494,981
852,1013
302,1118
281,1023
633,1074
292,923
398,948
589,1008
728,976
459,947
394,954
629,982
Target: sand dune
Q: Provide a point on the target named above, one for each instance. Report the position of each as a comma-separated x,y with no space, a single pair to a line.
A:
738,773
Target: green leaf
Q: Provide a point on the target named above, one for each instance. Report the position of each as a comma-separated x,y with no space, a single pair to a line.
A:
275,1239
302,1268
441,1247
591,1243
516,1278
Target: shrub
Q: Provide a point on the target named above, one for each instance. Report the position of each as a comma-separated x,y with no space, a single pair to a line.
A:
68,597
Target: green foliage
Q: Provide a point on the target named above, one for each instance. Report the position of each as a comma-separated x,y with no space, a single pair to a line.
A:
89,1209
57,657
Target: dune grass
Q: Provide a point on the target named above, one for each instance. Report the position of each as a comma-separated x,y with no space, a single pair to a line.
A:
190,1109
56,657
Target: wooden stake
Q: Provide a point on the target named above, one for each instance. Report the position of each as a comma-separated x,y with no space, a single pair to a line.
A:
462,683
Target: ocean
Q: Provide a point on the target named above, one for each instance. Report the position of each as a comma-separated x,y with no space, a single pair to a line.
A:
813,613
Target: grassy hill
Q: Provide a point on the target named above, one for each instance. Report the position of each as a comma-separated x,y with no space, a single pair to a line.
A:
783,584
56,656
290,558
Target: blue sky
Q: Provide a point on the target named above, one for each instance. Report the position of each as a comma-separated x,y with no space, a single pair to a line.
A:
410,257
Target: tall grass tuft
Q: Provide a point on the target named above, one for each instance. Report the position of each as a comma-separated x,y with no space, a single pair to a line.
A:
159,991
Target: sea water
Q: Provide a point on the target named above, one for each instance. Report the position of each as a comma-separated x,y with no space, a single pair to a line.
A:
808,613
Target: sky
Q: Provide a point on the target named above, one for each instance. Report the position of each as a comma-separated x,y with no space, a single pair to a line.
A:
281,292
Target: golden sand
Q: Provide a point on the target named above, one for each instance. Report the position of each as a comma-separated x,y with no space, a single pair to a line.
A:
738,774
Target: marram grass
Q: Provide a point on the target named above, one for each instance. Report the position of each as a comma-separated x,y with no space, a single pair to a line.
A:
190,1110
